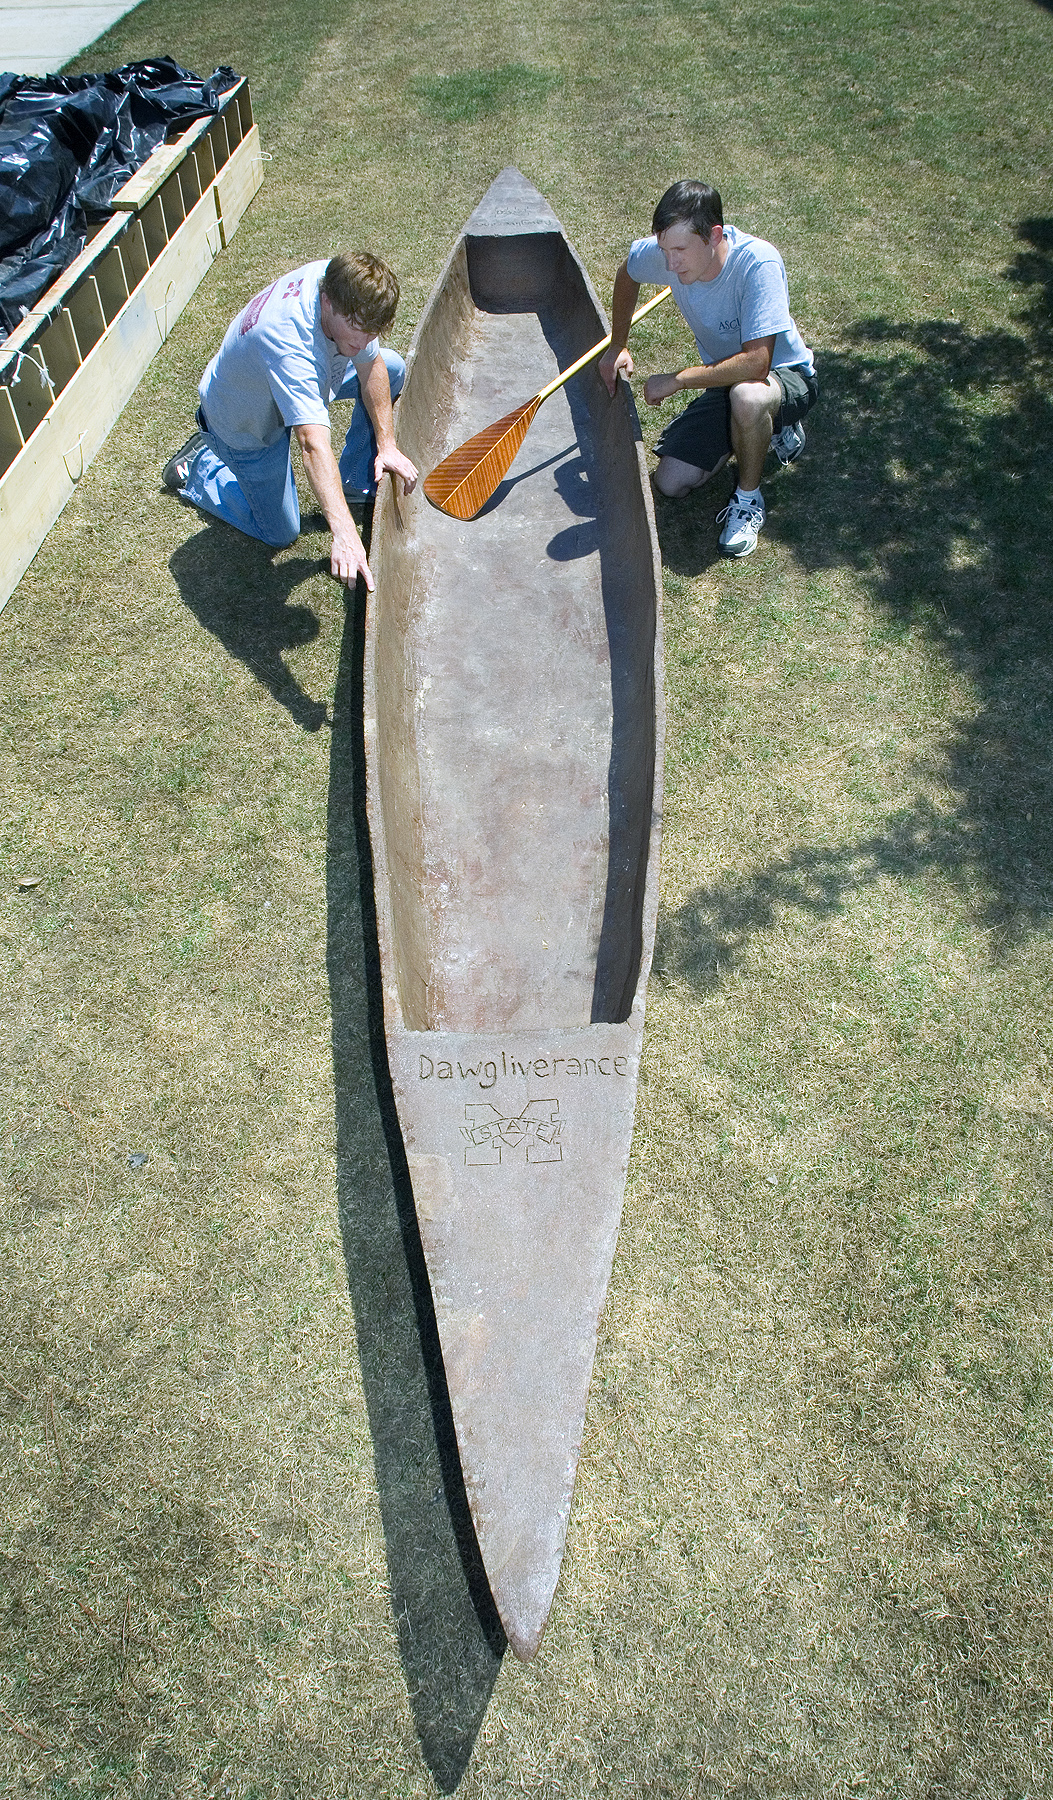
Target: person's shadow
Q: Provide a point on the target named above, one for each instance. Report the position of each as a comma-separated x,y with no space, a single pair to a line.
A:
242,595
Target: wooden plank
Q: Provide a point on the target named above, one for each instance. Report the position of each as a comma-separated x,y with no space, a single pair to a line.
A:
135,258
189,182
231,116
32,394
171,198
155,231
10,433
241,96
239,182
205,157
86,311
143,185
60,349
217,137
112,282
42,477
49,303
48,439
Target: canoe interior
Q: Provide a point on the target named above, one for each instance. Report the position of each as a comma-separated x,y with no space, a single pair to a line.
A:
514,668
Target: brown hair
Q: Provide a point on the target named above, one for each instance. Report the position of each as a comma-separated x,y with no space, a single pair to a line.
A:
692,203
361,288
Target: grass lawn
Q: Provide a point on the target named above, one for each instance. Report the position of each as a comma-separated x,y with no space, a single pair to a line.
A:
811,1552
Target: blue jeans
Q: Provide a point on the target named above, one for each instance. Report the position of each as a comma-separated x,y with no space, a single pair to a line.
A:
255,490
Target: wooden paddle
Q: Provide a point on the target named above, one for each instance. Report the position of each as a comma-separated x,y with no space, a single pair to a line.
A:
464,481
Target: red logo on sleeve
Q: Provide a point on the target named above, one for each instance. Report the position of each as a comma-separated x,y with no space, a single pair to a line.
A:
251,315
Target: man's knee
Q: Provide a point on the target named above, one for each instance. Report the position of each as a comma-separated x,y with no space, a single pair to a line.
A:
754,401
676,478
278,537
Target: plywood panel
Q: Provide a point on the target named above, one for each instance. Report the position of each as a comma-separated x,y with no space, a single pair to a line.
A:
85,307
155,230
134,255
60,349
217,135
238,182
47,439
110,279
31,392
171,198
10,434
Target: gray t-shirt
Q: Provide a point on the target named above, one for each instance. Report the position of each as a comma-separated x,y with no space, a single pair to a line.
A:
749,299
276,368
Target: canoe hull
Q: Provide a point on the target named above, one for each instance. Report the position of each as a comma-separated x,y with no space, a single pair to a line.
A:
513,738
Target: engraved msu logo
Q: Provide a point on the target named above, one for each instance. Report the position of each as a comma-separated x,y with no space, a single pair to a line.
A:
492,1137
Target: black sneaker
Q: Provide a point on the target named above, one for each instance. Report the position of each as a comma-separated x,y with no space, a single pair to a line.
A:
176,471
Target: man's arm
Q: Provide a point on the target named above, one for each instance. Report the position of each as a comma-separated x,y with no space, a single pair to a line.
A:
320,467
375,390
751,363
616,357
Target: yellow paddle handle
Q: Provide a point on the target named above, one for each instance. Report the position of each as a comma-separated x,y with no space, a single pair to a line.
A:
598,349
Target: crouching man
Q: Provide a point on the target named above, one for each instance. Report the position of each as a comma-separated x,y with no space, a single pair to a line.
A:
757,374
307,340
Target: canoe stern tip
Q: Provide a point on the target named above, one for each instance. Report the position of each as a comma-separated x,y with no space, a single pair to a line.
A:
524,1617
510,207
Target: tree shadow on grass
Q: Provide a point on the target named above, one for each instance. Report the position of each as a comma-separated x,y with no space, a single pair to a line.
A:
241,594
700,942
928,474
450,1638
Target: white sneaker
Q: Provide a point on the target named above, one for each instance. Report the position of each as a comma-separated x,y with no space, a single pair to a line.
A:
788,443
742,521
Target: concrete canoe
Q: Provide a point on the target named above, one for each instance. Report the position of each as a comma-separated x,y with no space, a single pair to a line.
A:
513,729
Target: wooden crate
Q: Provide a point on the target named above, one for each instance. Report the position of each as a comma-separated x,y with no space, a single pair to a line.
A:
71,366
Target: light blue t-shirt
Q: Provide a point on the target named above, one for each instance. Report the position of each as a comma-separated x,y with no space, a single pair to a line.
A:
276,368
749,299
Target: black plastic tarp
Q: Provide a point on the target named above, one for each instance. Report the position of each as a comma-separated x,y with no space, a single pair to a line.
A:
67,143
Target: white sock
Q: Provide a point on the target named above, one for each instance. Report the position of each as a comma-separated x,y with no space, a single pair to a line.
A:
748,496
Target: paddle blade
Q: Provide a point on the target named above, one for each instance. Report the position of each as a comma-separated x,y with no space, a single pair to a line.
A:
464,481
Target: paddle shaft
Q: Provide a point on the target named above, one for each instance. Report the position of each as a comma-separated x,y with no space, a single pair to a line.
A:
598,349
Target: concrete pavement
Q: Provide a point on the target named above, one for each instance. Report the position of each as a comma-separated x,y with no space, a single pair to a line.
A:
37,40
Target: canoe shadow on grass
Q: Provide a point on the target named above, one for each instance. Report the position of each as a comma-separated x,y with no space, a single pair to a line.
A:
237,590
450,1638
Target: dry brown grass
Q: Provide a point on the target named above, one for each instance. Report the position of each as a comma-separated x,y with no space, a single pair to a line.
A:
811,1550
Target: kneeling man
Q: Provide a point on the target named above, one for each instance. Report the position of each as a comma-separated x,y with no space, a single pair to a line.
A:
307,340
757,374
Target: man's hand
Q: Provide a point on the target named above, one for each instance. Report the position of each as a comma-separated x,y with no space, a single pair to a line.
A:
660,387
612,363
390,461
348,560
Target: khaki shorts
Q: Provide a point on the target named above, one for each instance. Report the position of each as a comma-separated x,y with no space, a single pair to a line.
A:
701,434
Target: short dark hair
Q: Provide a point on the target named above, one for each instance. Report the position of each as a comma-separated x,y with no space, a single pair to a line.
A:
360,287
692,203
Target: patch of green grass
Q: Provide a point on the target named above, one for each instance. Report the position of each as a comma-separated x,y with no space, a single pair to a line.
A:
470,93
